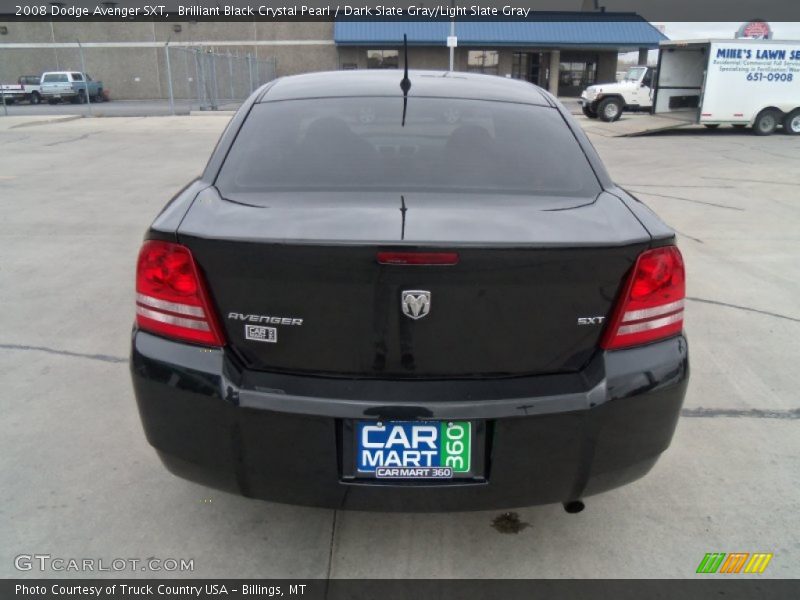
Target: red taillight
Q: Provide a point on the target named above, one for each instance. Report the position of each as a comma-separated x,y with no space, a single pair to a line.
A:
650,307
171,299
418,258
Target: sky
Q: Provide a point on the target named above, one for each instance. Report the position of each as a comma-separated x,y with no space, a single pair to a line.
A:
683,31
688,31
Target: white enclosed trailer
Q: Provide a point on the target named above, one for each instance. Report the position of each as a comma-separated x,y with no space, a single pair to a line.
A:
735,82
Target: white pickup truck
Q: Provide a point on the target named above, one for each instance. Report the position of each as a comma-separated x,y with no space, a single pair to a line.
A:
26,89
608,100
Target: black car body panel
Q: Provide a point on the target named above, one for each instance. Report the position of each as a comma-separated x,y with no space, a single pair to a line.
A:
265,436
554,417
493,308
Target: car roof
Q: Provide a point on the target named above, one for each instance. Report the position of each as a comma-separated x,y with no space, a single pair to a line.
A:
386,82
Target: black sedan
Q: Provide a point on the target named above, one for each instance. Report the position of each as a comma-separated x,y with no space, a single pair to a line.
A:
408,293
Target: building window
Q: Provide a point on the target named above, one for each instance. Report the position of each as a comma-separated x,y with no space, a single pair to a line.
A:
519,65
577,74
483,61
528,66
383,59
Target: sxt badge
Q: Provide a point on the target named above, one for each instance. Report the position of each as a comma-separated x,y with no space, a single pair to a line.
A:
259,333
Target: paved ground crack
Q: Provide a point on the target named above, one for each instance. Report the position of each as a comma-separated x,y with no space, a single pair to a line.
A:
330,552
771,182
686,235
687,200
747,308
673,186
755,413
100,357
75,139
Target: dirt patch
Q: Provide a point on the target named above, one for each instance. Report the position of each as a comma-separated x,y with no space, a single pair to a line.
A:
509,523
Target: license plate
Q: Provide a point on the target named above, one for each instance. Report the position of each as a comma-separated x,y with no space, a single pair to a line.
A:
414,449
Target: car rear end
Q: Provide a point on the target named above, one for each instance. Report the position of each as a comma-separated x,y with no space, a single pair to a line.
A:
57,86
456,313
11,92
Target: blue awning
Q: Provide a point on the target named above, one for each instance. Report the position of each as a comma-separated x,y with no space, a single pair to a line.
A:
554,30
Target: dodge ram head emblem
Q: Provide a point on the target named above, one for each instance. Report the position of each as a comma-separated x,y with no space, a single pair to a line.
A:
416,303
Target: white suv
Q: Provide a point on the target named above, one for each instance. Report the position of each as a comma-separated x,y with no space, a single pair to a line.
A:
608,100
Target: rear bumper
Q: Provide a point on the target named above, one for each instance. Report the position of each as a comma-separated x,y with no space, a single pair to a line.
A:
280,437
57,94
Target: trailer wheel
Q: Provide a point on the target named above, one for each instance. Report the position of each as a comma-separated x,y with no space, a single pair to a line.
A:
791,122
36,98
592,114
766,122
610,110
712,125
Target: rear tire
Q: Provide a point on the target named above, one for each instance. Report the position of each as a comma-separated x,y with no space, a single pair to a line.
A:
36,98
766,122
610,110
791,122
588,112
712,125
99,97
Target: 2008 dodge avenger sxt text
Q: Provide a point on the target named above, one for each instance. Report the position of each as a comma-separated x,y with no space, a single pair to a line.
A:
419,297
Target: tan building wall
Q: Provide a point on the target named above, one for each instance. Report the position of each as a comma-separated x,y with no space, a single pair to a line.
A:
141,72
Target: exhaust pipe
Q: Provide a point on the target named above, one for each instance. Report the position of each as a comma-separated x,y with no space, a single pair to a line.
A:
574,506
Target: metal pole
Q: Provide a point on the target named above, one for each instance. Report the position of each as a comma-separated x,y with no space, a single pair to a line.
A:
185,52
214,87
230,72
250,71
169,81
198,71
3,96
452,34
85,79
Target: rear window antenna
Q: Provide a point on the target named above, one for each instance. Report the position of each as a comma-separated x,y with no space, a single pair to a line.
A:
405,83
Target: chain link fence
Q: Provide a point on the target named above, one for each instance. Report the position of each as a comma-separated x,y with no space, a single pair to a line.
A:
147,78
212,78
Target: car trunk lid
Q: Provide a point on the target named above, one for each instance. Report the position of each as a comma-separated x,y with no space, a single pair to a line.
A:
298,286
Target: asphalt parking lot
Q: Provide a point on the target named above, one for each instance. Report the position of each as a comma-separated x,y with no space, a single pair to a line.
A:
80,481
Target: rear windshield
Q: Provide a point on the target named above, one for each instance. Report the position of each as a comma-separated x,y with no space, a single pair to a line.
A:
56,78
445,145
